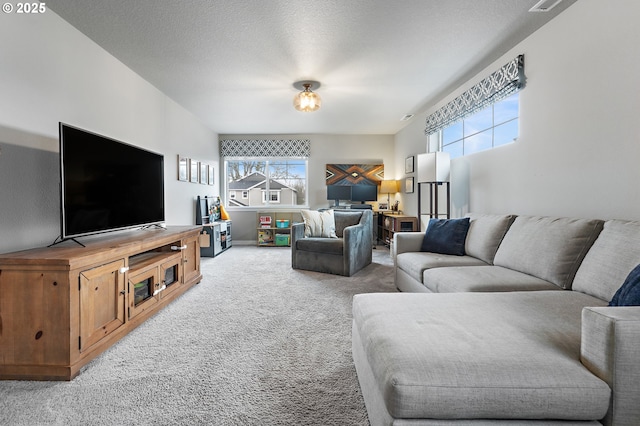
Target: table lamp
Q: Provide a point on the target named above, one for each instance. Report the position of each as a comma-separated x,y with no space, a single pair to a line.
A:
388,187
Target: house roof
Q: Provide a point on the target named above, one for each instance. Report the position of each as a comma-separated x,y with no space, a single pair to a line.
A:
233,63
256,180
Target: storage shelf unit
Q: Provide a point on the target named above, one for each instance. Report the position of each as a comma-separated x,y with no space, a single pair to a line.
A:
62,306
215,238
389,224
269,234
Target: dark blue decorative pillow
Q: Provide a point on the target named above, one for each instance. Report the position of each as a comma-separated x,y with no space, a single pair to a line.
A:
629,293
446,236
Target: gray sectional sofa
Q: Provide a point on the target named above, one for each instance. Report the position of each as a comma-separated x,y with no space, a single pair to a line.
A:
516,331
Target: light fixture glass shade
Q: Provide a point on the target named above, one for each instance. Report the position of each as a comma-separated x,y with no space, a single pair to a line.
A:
307,101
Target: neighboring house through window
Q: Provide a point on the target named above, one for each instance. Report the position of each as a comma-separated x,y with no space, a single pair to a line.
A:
265,182
265,172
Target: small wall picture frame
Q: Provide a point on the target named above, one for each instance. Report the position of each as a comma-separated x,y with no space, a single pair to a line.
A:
409,164
204,173
408,185
194,169
211,174
183,168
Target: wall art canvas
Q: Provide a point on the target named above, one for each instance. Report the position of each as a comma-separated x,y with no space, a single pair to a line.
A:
194,170
183,168
354,174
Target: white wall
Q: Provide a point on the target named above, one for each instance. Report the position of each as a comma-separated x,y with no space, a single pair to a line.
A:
325,149
50,72
579,144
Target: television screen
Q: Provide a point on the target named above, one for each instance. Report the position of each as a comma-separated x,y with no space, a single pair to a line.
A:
364,193
338,192
106,184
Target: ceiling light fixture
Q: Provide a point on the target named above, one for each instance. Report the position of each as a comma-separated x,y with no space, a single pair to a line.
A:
307,100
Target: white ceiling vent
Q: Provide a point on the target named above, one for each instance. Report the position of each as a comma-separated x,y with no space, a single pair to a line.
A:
407,117
544,5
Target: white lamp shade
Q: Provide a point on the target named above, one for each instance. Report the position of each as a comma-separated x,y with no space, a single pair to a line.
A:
434,167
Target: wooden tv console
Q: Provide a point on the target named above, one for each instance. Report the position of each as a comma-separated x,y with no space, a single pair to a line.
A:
62,306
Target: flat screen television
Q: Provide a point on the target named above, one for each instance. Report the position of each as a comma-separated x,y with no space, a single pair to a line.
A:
338,192
107,185
364,193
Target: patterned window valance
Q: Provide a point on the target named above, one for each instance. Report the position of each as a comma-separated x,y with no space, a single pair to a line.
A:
265,148
499,85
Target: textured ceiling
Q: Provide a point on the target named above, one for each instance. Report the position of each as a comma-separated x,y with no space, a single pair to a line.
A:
233,63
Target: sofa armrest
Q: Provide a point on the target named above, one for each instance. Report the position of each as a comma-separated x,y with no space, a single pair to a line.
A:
404,242
610,349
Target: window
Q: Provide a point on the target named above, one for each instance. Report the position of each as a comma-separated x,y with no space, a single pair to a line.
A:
259,182
274,196
488,128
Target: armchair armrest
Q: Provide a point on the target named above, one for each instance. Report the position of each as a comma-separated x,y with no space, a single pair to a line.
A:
355,234
358,244
297,233
610,349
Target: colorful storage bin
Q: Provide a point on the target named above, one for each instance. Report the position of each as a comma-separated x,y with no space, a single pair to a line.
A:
282,239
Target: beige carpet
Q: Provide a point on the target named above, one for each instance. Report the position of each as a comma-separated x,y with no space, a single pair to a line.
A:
255,343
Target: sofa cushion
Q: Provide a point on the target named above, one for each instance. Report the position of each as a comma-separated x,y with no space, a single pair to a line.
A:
446,236
629,292
613,255
482,278
319,223
415,263
548,248
485,234
344,219
480,355
321,245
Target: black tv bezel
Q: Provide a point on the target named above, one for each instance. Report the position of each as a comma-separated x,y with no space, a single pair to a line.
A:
70,236
373,188
337,200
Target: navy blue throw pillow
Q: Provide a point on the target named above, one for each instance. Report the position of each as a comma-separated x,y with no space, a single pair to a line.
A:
446,236
629,293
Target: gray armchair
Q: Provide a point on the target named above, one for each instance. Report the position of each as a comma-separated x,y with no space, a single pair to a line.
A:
345,255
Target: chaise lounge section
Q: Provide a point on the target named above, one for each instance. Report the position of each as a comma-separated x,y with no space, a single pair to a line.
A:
488,344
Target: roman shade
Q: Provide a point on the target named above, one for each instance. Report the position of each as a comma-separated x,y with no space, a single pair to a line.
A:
278,148
499,85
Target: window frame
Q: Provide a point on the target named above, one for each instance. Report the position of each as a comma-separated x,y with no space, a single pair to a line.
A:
277,204
468,137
